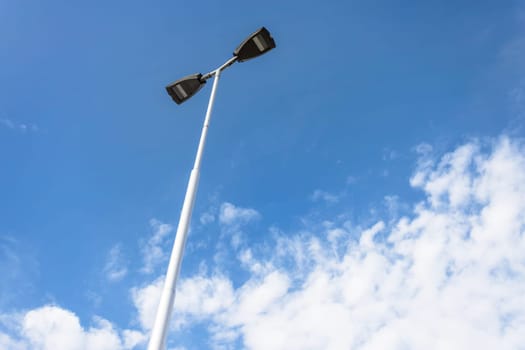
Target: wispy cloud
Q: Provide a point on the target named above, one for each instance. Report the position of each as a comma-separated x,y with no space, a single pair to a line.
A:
232,220
22,127
115,268
389,154
350,180
94,297
18,268
153,250
231,214
206,218
320,195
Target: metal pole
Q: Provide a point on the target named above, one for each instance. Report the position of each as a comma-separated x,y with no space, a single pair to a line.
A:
160,327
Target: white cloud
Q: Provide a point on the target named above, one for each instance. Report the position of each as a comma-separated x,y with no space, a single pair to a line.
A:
232,219
115,268
231,214
206,218
146,299
392,205
424,149
450,276
199,296
152,251
132,338
51,327
320,195
196,298
8,343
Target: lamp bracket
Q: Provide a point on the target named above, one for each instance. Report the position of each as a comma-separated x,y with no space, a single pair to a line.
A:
220,69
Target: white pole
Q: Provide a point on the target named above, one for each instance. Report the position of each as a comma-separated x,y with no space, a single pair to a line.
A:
160,327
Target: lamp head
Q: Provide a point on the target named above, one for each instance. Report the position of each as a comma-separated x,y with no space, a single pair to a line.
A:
184,88
255,45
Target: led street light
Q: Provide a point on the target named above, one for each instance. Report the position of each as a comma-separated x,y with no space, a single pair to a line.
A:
255,45
184,88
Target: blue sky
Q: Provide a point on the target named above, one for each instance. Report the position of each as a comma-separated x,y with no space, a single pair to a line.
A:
368,118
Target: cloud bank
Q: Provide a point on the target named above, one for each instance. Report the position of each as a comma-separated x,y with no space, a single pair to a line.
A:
451,275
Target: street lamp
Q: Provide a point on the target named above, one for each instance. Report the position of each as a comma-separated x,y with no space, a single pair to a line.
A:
255,45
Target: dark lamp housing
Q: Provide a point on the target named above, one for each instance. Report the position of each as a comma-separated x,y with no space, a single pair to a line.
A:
184,88
255,45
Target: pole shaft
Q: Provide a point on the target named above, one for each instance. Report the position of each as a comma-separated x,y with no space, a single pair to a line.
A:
160,327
